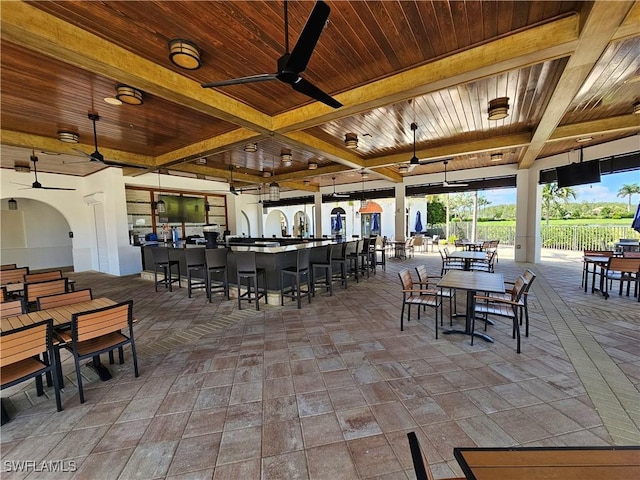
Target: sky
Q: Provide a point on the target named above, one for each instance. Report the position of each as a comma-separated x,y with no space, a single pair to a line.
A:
605,191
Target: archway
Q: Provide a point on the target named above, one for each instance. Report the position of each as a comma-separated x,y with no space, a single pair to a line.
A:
36,235
371,219
276,224
301,224
338,222
245,226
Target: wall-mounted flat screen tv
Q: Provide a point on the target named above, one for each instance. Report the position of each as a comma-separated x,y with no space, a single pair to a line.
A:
183,209
578,173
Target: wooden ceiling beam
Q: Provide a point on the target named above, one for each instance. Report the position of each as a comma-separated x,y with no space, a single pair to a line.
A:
32,28
600,24
37,142
238,176
631,25
625,123
300,186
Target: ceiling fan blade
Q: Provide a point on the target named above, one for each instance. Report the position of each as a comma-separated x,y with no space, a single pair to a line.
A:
309,89
23,184
55,188
308,39
262,77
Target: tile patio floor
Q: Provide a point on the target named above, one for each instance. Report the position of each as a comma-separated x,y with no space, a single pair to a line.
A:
330,391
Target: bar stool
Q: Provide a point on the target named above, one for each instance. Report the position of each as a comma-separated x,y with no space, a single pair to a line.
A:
296,273
363,264
216,261
246,269
327,266
161,261
353,258
195,260
340,258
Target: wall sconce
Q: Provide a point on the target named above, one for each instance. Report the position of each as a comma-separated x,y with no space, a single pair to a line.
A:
498,108
128,95
13,204
274,192
285,157
351,140
184,54
68,137
251,147
313,166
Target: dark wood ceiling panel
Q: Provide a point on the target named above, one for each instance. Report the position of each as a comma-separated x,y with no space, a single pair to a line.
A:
554,148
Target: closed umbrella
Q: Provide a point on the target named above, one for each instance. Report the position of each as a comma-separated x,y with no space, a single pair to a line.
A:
338,222
418,228
375,223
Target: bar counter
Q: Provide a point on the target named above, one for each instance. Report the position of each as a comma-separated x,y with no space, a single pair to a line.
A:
271,258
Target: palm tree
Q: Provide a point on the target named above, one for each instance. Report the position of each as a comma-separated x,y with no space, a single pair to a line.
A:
628,191
552,195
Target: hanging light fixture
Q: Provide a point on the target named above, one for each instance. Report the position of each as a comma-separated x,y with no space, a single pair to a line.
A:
313,166
184,54
285,156
251,147
274,192
13,204
414,160
68,137
128,95
351,140
364,203
498,108
160,205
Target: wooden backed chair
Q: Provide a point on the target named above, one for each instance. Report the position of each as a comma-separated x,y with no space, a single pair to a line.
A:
12,307
42,276
529,276
449,263
62,299
486,264
20,352
100,331
502,307
8,266
424,280
15,275
417,296
42,289
624,270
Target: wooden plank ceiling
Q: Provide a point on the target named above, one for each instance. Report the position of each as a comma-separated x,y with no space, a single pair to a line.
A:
569,69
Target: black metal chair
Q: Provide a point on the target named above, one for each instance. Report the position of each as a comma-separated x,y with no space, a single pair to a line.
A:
247,270
196,262
339,258
162,261
325,265
353,259
297,274
216,262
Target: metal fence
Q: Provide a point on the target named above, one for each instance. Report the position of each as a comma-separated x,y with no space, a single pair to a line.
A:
560,237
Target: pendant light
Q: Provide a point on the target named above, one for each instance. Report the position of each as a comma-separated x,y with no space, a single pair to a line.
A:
364,203
13,204
160,205
274,188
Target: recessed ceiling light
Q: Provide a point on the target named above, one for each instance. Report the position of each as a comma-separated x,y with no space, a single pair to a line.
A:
112,101
584,139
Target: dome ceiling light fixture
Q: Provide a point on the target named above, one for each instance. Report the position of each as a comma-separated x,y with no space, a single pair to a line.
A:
402,169
313,166
286,157
496,157
68,137
129,95
636,108
498,108
251,147
266,174
351,140
184,54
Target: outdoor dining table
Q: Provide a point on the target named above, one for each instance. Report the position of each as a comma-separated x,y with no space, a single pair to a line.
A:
399,248
472,282
468,256
550,463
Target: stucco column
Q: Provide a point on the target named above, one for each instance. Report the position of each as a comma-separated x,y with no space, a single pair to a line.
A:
317,220
400,212
528,204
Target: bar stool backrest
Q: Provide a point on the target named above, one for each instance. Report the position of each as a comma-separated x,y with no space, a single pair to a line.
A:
340,253
246,262
194,256
303,259
216,257
160,254
329,253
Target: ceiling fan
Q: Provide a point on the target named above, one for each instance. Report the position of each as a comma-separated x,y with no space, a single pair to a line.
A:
450,184
36,183
337,195
232,188
292,64
415,161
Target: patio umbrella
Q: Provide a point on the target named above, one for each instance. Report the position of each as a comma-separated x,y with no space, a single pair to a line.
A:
333,224
418,228
375,223
338,222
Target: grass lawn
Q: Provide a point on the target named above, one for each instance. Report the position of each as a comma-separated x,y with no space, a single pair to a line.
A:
626,222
